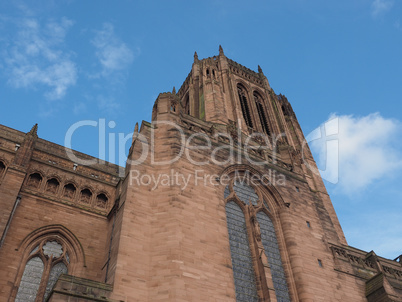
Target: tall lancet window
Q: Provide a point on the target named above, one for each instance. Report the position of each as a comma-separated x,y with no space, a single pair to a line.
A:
242,263
261,113
244,106
270,243
186,104
251,235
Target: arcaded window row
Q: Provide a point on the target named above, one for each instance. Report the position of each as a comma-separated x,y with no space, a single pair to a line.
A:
67,191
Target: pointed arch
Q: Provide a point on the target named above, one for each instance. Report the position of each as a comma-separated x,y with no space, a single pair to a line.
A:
47,252
55,230
252,214
231,170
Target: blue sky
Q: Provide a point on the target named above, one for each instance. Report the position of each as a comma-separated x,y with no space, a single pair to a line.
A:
62,62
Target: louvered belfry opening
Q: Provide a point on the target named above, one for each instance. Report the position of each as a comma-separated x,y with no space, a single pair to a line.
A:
244,106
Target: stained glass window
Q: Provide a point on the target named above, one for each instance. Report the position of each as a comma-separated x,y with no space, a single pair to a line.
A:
36,270
243,257
245,192
30,280
56,271
243,272
227,192
270,243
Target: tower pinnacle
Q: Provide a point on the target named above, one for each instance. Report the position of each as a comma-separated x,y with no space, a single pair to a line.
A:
34,130
221,50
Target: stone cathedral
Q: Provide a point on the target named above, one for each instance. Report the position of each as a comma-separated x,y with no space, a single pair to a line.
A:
220,200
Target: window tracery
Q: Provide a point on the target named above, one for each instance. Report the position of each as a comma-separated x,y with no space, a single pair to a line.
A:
46,262
249,225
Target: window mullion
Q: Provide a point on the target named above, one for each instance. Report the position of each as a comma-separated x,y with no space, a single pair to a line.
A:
45,277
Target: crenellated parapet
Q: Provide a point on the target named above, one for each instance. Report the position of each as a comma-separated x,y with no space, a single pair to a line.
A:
245,73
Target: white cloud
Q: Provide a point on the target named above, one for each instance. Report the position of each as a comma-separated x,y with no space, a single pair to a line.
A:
113,54
35,57
379,7
366,150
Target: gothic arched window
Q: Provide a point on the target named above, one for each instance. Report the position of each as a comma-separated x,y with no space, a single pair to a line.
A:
46,262
261,113
244,105
251,237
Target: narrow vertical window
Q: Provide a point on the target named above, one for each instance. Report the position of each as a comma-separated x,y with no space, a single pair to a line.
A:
244,106
30,281
261,113
187,105
242,263
270,243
